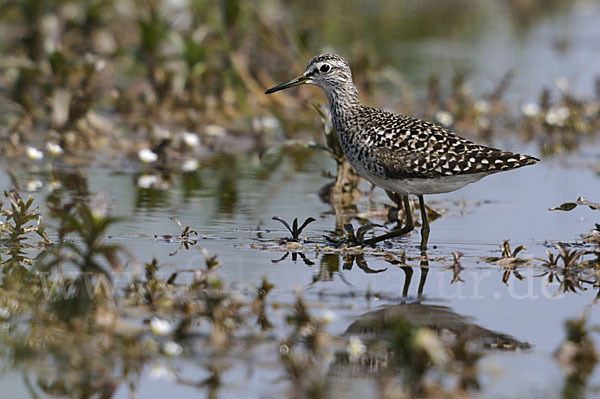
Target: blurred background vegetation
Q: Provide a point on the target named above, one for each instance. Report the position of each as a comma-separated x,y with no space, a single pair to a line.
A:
99,74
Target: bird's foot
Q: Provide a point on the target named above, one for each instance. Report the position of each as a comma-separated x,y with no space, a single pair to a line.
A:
353,238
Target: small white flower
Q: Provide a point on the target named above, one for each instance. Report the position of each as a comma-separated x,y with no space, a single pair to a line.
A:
191,139
160,326
147,181
54,149
530,109
189,165
355,349
445,118
34,153
4,312
160,372
33,185
100,65
147,156
215,130
172,348
328,316
482,106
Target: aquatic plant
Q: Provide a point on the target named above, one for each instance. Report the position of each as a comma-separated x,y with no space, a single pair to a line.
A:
21,219
568,206
570,257
456,267
185,241
259,306
358,238
294,230
509,261
577,356
306,352
570,275
592,240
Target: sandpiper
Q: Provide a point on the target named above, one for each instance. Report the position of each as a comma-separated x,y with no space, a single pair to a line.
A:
401,154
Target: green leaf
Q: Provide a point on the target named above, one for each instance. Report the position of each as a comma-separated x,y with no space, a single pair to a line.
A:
567,206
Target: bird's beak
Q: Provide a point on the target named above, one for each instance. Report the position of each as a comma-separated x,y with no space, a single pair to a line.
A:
294,82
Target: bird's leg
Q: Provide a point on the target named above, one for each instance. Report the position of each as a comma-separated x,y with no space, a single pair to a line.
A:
424,224
397,199
408,272
410,225
424,272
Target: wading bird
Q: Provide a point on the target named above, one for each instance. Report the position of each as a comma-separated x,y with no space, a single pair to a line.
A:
400,154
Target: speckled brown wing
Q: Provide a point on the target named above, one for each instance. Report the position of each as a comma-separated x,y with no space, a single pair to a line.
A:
405,147
402,164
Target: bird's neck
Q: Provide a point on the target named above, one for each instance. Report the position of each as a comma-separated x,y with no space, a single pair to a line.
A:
343,102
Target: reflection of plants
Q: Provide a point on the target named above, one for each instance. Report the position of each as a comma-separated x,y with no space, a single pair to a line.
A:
456,267
88,225
184,236
509,261
306,261
569,257
508,256
294,229
569,274
350,258
418,351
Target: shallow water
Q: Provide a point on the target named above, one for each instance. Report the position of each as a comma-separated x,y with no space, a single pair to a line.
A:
476,221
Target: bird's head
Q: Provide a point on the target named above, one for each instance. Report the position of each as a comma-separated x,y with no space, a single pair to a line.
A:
328,71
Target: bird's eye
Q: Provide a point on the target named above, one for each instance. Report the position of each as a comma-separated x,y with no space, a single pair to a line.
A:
324,68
